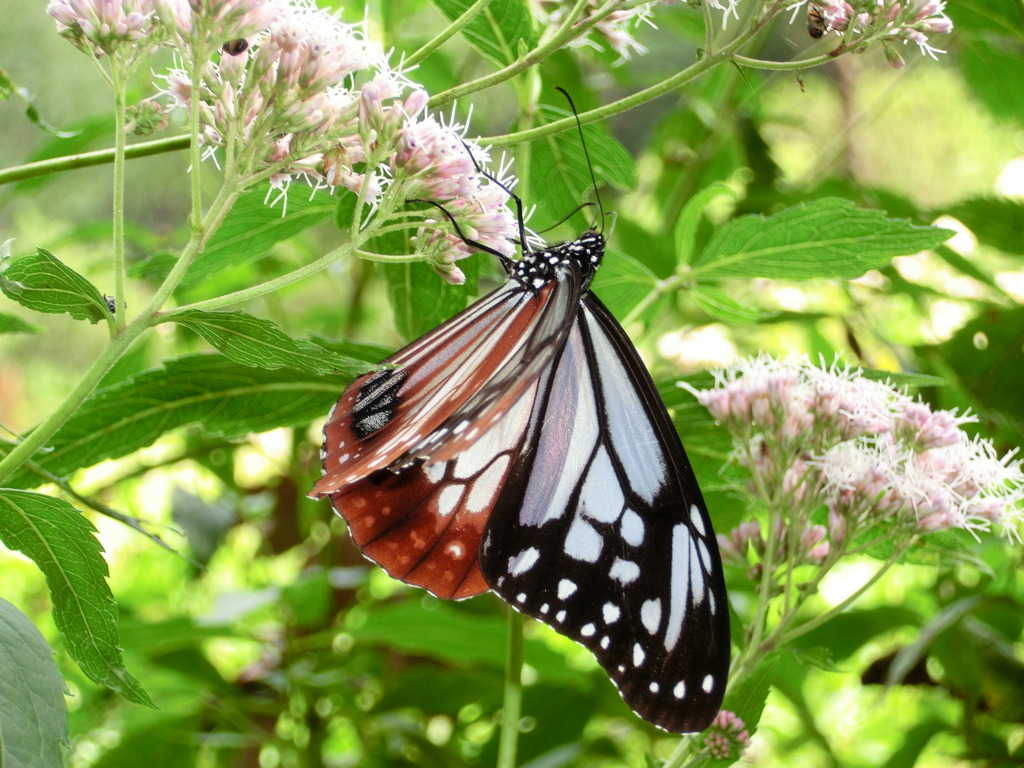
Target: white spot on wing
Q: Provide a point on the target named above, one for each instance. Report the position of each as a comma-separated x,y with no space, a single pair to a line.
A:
708,684
524,561
624,571
680,690
638,655
605,642
435,471
697,519
611,613
566,588
650,615
560,617
705,556
521,597
448,499
601,497
697,580
583,542
679,584
654,687
587,630
484,489
632,528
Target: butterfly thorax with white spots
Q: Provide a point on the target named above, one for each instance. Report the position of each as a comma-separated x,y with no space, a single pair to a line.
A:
537,268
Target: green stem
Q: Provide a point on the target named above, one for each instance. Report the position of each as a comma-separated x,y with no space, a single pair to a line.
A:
89,159
782,66
779,637
513,696
119,344
120,121
536,56
661,288
680,753
195,150
451,30
38,437
238,297
631,101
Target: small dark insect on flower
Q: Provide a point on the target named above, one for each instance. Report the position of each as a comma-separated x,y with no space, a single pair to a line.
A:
235,47
817,25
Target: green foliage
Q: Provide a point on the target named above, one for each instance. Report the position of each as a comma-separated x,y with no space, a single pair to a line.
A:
32,712
766,214
62,543
42,283
259,343
827,238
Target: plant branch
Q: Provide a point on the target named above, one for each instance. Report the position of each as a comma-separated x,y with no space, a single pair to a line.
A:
512,704
89,159
450,31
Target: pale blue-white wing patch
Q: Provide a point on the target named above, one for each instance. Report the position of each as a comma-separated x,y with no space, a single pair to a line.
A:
615,548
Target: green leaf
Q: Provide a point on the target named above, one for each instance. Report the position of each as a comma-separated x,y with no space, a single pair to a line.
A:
496,31
989,362
995,73
829,238
846,633
747,699
946,549
224,398
915,739
32,710
419,297
261,344
62,543
689,220
622,282
719,305
14,324
9,88
437,630
909,655
560,173
997,222
248,232
43,283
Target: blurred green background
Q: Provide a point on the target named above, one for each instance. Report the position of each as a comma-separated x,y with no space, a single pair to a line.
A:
286,648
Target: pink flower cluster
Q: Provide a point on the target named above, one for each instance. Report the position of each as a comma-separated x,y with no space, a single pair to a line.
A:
807,545
438,164
890,20
286,90
102,27
223,20
727,737
815,435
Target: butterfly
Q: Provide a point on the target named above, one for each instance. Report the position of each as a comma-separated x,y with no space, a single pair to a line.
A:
522,447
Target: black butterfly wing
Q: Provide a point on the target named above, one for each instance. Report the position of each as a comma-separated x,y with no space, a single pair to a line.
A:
602,532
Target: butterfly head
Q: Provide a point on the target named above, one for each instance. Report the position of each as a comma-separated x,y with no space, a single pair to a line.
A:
584,254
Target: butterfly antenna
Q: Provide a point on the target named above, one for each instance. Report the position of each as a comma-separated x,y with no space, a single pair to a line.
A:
519,203
458,230
586,153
